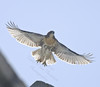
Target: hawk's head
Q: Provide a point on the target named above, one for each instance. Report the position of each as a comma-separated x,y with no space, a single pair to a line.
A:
50,34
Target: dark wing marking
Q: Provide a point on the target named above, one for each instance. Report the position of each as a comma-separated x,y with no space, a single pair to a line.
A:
24,37
70,56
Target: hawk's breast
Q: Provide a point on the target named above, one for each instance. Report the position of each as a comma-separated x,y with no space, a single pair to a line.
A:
49,41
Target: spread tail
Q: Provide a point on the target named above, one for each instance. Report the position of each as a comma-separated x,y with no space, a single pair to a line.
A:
45,58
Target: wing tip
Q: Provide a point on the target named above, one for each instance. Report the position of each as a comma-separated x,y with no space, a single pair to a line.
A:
11,25
89,57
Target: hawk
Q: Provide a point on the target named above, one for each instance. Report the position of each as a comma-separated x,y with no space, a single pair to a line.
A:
48,45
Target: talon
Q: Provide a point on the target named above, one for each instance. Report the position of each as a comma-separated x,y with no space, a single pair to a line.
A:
44,63
37,61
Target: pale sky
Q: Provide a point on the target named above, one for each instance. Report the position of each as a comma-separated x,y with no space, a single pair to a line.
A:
76,24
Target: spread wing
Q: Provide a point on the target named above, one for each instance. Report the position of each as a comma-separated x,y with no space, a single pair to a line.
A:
24,37
69,56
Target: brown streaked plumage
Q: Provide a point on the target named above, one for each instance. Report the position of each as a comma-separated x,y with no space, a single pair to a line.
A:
49,41
48,44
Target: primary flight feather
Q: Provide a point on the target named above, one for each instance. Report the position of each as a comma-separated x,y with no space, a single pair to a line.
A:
48,44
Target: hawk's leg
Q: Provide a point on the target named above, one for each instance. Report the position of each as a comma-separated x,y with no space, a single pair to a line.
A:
39,60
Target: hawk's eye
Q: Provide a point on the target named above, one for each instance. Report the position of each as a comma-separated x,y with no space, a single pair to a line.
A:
51,32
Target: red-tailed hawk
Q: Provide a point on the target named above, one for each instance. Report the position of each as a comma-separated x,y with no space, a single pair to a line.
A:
49,44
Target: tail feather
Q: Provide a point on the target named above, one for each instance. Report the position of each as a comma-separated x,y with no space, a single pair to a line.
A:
46,57
51,59
36,54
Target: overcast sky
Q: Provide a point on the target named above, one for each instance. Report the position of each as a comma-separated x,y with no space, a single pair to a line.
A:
76,24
